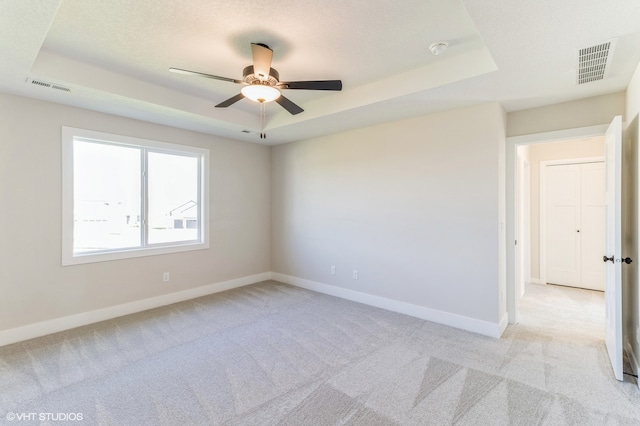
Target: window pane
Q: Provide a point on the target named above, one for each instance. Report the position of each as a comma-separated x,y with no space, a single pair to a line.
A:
173,198
106,202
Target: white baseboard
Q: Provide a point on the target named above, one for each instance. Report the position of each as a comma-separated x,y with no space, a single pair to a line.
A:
72,321
458,321
633,360
535,281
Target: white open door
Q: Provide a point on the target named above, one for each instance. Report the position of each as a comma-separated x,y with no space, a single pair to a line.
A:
613,256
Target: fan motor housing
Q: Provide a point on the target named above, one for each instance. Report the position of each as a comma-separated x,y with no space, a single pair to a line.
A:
250,78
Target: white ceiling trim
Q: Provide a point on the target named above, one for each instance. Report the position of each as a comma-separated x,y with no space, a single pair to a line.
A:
115,57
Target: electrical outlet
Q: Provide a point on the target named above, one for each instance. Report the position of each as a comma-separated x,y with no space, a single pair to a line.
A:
333,270
355,274
165,277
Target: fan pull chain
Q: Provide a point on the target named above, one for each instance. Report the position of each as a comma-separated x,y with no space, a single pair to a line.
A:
263,120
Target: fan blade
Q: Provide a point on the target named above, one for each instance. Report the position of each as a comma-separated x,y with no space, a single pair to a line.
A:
214,77
230,101
262,56
311,85
289,105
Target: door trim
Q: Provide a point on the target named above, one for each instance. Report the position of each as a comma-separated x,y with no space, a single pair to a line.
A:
523,248
511,158
542,231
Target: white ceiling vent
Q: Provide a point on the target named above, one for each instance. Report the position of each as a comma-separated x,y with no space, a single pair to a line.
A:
49,85
593,62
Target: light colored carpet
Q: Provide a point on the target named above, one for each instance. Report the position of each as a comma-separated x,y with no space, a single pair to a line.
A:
271,354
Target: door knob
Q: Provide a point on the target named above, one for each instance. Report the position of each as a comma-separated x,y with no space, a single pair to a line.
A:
626,260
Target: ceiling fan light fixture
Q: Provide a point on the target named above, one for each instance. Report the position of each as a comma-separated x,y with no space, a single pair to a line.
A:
260,93
262,83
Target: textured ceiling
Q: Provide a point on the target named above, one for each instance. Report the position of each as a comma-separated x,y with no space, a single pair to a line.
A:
115,56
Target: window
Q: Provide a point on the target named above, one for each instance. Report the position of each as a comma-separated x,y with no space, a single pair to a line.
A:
127,197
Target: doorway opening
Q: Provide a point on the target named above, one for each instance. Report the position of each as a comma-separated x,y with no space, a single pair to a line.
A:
515,266
560,228
523,207
560,213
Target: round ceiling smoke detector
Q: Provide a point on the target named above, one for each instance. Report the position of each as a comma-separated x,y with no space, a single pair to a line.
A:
438,48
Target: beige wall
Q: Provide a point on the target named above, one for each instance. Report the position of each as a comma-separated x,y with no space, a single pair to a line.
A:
34,286
581,148
413,205
567,115
631,240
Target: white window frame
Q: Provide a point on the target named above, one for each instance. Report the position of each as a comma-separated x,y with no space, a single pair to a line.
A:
69,134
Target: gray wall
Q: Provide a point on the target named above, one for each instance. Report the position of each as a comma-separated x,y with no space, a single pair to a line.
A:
414,206
35,287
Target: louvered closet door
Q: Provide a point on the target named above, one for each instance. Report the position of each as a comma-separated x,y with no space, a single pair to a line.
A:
575,198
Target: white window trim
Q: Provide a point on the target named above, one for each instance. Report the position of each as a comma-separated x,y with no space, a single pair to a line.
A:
68,257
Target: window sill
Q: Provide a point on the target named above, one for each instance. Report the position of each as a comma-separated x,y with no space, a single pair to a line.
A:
80,259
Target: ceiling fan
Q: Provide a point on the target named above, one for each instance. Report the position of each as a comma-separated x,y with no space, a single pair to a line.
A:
262,83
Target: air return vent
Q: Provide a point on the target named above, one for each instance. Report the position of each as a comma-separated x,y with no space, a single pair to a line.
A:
593,62
64,89
50,85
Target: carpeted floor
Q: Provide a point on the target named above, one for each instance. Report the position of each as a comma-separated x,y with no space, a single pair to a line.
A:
271,354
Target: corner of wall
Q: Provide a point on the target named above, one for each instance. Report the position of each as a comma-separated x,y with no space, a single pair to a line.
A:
502,216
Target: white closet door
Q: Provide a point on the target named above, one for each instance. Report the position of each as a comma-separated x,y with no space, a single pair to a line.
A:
575,220
593,219
563,224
